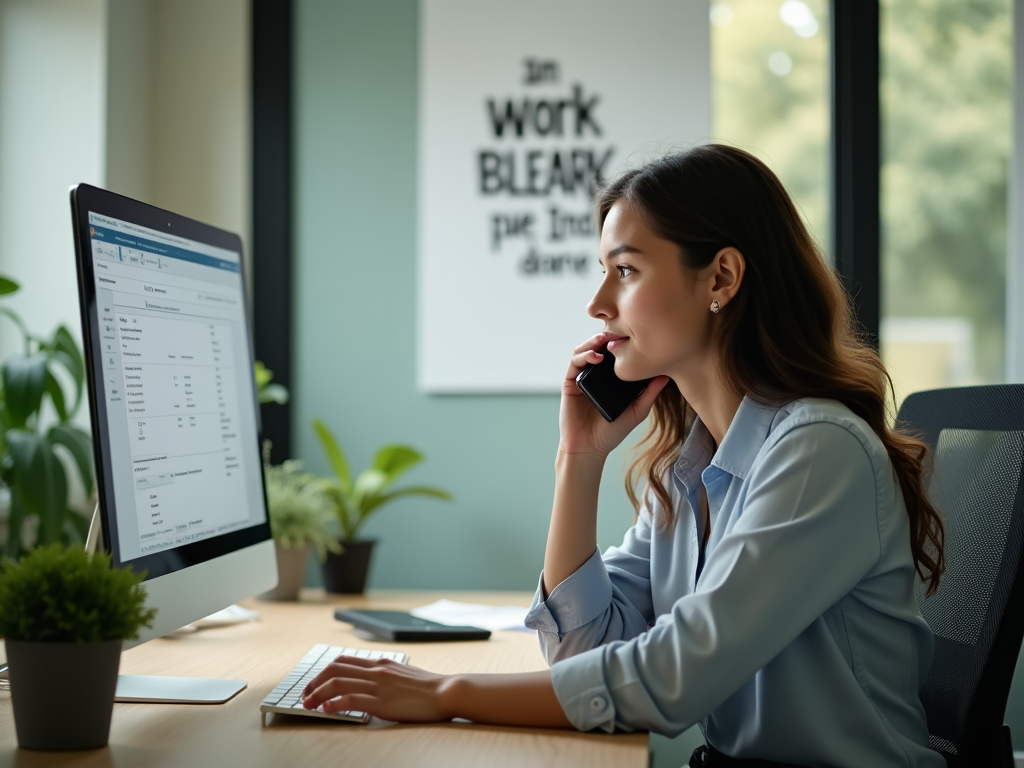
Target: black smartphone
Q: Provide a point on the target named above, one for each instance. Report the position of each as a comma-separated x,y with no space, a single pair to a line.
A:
609,394
401,626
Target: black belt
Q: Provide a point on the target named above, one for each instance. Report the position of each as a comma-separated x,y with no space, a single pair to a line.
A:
709,757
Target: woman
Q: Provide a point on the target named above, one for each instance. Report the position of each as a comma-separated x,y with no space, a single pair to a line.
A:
766,588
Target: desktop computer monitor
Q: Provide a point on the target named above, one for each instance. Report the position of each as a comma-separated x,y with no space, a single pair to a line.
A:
175,418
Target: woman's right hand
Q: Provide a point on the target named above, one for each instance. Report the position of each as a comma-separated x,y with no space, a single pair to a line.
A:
583,429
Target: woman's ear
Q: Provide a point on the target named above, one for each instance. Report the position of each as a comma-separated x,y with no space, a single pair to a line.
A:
727,269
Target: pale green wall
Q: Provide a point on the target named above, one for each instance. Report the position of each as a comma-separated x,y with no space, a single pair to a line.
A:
355,351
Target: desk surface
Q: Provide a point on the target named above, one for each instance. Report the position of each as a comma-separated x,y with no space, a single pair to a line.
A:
227,735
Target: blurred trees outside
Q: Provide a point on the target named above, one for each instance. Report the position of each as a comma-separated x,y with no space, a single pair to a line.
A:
770,93
946,139
946,68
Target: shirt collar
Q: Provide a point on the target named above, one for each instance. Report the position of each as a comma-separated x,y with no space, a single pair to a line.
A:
744,438
694,456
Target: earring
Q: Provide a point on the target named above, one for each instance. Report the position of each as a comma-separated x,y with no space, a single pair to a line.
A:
715,306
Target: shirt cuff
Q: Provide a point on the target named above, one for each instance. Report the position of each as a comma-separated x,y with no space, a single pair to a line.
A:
580,688
577,601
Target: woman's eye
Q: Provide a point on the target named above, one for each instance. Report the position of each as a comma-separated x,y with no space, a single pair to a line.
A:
624,271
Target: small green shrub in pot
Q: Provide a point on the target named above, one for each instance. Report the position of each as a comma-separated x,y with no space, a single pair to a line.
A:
300,520
63,616
355,500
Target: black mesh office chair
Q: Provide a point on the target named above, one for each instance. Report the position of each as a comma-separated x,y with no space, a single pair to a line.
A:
977,438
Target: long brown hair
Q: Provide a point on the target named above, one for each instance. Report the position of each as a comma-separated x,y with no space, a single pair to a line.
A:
789,332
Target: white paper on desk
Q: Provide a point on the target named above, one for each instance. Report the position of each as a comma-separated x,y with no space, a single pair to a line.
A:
458,614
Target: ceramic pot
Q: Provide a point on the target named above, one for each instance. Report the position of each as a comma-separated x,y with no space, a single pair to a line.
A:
41,674
345,574
291,573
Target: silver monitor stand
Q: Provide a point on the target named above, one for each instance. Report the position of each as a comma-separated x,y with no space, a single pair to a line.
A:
158,689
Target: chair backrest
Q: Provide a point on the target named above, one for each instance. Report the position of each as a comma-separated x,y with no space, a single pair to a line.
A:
976,435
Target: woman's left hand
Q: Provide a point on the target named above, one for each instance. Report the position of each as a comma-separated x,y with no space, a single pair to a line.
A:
383,688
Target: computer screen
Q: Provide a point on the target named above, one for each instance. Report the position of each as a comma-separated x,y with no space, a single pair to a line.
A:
177,386
174,408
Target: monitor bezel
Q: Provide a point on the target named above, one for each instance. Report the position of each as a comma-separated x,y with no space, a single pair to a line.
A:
86,198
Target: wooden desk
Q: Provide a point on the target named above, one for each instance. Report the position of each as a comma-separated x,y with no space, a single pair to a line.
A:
228,735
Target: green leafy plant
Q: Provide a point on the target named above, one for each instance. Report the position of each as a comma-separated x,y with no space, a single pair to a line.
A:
30,467
354,501
59,594
300,511
266,391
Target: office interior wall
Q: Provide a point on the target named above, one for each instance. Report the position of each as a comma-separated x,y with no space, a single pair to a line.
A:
355,267
129,70
178,108
147,97
201,117
52,122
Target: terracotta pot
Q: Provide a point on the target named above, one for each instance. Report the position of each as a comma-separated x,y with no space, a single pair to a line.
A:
38,670
291,573
345,574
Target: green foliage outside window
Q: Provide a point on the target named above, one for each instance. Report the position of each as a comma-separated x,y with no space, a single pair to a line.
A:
946,80
946,110
770,93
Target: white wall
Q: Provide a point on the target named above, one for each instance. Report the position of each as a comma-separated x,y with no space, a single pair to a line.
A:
52,122
179,110
129,73
149,98
200,116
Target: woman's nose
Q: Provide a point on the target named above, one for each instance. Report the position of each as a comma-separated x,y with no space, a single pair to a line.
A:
600,307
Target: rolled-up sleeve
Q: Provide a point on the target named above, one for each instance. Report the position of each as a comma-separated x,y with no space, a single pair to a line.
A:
807,534
607,598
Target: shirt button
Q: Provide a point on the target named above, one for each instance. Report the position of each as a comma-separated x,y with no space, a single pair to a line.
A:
597,702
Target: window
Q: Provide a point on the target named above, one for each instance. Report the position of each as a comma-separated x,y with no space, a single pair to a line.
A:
946,71
770,93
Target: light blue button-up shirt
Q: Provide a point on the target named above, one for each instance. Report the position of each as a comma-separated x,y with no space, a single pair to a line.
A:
799,642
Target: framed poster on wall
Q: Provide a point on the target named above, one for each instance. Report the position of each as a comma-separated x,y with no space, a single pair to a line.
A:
525,108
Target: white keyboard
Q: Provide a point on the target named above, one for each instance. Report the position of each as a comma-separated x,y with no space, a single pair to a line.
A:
286,698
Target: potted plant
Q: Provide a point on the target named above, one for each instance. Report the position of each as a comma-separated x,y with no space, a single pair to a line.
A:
63,617
300,518
355,500
266,391
31,468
